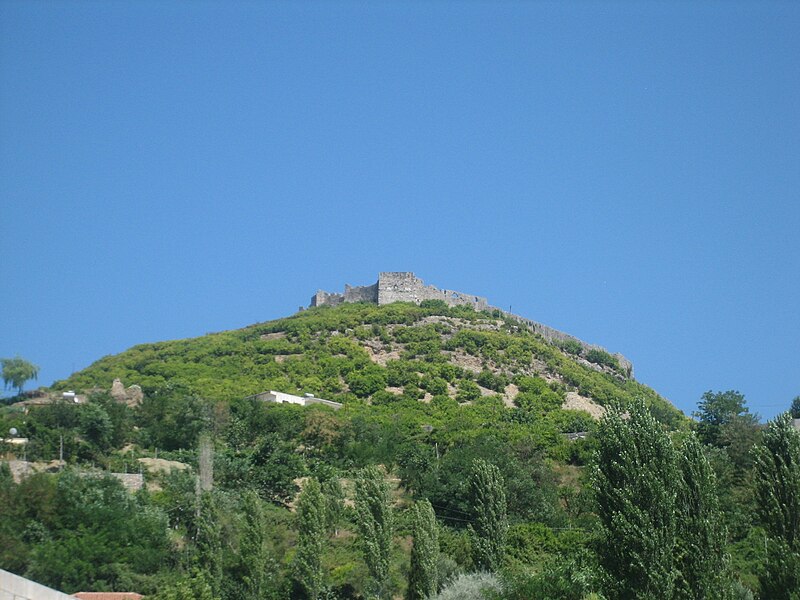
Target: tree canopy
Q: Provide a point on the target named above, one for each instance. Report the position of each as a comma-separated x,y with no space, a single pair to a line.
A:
17,371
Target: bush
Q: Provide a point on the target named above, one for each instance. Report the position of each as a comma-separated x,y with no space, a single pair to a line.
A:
470,586
572,347
602,358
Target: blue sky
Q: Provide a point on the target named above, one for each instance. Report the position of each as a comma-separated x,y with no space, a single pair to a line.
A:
626,172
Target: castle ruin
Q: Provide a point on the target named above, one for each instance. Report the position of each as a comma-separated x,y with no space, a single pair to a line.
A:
407,287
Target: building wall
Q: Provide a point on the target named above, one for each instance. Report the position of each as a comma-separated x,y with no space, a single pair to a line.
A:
14,587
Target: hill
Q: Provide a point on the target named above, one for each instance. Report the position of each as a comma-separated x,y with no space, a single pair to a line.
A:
432,395
361,353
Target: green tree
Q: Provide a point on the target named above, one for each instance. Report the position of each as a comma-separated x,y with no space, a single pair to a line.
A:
700,529
308,577
209,539
16,371
422,579
96,426
635,481
334,504
777,483
487,497
717,410
795,408
188,587
253,551
376,525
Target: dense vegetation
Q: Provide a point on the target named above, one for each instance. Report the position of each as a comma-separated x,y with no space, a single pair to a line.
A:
449,457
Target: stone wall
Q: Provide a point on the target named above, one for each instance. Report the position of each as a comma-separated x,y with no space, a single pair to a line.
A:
556,336
358,293
404,286
361,293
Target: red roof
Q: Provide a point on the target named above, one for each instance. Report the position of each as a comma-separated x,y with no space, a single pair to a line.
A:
108,595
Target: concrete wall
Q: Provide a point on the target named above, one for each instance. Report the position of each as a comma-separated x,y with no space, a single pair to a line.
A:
14,587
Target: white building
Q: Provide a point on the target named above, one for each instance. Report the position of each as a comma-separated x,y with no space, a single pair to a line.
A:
284,398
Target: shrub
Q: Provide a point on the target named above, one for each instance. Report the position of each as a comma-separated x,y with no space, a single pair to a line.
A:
602,358
470,586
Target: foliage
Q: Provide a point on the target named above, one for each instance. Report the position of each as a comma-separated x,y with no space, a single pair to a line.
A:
95,535
471,586
718,411
795,408
635,481
564,578
188,587
209,539
490,522
16,371
307,576
603,358
422,579
253,548
700,530
375,524
778,491
242,540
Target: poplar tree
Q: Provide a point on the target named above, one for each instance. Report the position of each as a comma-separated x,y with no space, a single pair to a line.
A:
375,524
490,522
308,577
422,579
209,539
778,492
334,503
700,530
253,547
635,480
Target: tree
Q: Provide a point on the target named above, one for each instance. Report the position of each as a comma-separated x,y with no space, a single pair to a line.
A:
635,480
422,579
209,539
795,409
376,525
16,371
188,587
308,579
778,491
700,529
716,410
96,426
253,549
334,504
490,523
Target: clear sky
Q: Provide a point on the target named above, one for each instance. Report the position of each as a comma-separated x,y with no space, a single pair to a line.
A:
626,172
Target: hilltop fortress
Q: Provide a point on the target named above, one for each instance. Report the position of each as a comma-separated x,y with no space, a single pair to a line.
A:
406,287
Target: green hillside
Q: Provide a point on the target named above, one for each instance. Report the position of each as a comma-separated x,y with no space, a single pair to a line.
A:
363,353
449,467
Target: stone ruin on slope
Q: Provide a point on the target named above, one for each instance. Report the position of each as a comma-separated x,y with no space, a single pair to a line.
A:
404,286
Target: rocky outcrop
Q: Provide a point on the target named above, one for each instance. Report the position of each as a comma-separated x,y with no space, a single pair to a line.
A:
132,395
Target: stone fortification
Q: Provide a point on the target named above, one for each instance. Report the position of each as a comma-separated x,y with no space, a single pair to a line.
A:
406,287
397,287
